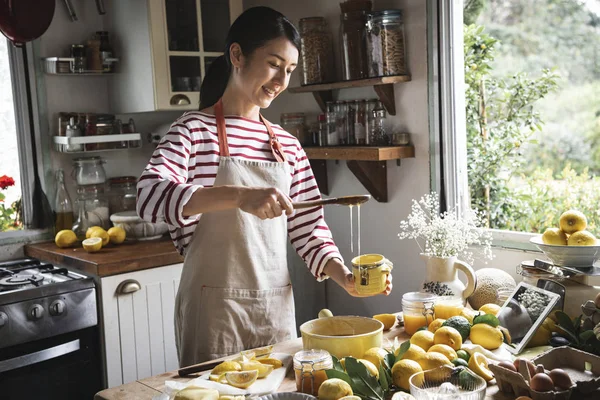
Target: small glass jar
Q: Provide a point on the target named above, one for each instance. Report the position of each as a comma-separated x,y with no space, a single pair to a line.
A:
309,370
418,310
78,63
122,193
92,200
89,171
385,43
448,306
295,124
342,122
354,49
316,53
332,134
379,136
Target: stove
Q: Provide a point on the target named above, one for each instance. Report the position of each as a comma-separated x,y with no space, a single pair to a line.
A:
48,331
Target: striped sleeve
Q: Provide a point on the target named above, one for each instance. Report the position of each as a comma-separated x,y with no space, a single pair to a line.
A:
162,188
308,232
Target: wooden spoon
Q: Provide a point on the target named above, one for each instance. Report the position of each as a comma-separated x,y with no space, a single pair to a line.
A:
344,201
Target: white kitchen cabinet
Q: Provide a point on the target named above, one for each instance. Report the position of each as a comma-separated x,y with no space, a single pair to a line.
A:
166,47
138,323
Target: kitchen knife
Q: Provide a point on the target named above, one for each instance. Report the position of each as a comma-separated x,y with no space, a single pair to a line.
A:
192,369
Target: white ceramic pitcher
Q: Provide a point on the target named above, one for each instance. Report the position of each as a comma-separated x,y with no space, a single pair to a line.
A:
442,277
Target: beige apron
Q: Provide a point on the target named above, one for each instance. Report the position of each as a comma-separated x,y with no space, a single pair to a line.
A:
235,290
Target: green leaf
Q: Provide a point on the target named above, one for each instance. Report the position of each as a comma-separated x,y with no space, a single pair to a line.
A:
403,349
488,319
565,322
334,373
577,324
383,381
389,360
362,379
337,365
586,335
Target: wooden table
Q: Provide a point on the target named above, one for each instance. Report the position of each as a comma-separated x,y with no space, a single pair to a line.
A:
145,389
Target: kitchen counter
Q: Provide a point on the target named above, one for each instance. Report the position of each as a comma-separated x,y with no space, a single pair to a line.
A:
111,260
145,389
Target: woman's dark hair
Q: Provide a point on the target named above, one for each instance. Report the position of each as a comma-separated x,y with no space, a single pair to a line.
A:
251,30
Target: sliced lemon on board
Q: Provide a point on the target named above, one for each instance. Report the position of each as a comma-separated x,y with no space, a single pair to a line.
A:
263,369
102,234
218,377
264,351
195,392
241,379
478,363
92,245
226,366
271,361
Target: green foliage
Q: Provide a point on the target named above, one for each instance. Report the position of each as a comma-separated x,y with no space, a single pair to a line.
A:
9,216
471,10
584,340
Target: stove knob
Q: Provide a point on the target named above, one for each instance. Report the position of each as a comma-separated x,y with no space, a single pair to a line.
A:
36,311
3,319
57,307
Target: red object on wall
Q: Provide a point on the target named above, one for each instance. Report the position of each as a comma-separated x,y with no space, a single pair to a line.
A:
25,20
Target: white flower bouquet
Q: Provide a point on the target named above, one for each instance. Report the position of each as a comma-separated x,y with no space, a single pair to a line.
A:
445,234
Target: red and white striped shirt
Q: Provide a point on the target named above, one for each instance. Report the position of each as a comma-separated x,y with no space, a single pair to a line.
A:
187,159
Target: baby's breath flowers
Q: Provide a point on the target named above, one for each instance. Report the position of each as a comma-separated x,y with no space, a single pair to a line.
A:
445,234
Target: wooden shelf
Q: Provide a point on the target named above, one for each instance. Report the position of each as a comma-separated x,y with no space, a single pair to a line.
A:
368,164
384,87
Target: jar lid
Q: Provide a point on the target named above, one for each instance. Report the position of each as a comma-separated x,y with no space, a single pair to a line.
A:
312,359
94,160
419,297
387,13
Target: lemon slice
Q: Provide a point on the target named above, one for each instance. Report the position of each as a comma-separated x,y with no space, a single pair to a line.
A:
263,369
102,234
196,393
259,352
241,379
271,361
92,245
478,363
226,366
218,377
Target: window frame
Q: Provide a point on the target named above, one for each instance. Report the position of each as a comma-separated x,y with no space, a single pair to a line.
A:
27,122
447,114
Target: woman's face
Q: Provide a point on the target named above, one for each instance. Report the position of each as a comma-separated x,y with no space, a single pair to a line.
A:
266,72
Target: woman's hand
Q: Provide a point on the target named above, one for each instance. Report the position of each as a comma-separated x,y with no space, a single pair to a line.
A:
351,287
265,203
343,277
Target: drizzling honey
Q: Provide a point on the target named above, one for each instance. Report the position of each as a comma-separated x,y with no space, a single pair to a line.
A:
358,223
351,232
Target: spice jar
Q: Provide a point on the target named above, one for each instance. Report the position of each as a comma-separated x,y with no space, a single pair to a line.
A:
353,41
379,137
418,310
122,193
89,170
385,43
316,53
93,202
309,370
78,62
295,124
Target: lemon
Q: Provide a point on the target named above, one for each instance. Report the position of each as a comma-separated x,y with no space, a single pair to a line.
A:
334,389
343,363
116,235
263,369
325,313
433,360
373,370
414,352
218,378
486,336
435,324
375,355
88,233
241,379
271,361
469,314
478,363
92,245
258,352
490,308
226,366
423,339
446,350
449,336
402,371
388,320
102,234
65,238
196,393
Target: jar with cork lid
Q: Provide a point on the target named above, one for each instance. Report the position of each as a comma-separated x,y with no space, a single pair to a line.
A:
309,370
418,310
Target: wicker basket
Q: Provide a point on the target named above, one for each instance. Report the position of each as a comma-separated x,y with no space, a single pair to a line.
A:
571,360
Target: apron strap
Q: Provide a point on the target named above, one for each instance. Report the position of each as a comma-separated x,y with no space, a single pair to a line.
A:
276,147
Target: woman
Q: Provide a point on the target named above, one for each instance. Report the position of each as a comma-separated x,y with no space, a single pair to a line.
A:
222,178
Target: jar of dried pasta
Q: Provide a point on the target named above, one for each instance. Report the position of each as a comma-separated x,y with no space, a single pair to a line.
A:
316,53
309,370
385,43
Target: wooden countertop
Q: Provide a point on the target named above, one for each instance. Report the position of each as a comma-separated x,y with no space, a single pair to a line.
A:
145,389
112,259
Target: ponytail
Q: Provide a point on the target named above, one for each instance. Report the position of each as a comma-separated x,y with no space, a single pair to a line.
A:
215,81
251,30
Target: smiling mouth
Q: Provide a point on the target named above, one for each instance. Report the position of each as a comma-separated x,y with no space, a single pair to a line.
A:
269,92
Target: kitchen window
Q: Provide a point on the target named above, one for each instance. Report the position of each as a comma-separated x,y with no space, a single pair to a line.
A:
519,111
19,202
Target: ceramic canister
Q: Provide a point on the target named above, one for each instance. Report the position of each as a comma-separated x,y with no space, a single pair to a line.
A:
370,273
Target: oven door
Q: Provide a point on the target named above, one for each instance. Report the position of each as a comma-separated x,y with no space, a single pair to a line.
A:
62,367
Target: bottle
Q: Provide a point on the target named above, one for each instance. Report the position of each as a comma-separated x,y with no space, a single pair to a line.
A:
73,130
332,134
82,223
105,51
63,207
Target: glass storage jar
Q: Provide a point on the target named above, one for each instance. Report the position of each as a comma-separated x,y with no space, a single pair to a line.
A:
122,193
89,170
309,370
316,52
385,43
93,204
354,48
295,124
418,310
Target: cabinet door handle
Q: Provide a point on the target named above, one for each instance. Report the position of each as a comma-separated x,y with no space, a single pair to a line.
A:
180,100
128,286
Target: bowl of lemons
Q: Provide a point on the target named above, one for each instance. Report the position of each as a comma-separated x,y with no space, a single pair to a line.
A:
570,244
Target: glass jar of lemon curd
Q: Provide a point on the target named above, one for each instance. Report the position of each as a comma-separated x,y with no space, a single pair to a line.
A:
309,370
418,309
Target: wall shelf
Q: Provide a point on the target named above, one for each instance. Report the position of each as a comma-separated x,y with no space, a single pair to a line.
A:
367,163
384,87
62,143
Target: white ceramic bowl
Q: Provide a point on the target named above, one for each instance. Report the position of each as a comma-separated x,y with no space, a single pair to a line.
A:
568,256
137,228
